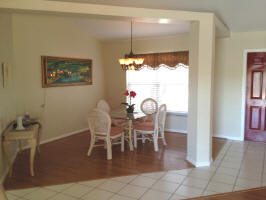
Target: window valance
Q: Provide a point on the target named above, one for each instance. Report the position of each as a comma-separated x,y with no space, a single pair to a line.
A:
170,59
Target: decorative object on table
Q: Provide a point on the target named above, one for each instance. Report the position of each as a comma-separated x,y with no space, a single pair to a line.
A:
20,126
57,71
130,106
131,61
27,116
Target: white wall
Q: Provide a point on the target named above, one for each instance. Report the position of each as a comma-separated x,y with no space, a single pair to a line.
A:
116,78
228,81
7,95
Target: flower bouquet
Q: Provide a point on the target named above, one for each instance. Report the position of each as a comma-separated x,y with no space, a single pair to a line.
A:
130,106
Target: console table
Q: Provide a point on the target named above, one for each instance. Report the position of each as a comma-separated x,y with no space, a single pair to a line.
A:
30,135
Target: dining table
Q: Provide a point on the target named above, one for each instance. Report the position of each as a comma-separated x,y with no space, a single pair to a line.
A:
130,119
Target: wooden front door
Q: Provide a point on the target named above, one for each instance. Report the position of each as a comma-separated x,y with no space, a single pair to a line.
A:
255,125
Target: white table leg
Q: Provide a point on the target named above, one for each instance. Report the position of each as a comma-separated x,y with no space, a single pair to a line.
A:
33,144
130,135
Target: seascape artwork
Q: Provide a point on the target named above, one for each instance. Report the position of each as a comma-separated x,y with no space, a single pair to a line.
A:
66,71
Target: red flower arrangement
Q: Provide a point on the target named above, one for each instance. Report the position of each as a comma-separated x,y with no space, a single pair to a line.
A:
131,94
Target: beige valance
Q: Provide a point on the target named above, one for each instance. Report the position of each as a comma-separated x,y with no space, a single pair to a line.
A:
170,59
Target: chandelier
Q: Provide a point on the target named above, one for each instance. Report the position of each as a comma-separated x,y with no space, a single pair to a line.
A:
131,62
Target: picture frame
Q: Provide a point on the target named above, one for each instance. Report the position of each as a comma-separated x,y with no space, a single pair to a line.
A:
62,71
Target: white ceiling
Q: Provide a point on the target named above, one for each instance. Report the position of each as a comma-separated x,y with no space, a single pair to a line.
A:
104,29
238,15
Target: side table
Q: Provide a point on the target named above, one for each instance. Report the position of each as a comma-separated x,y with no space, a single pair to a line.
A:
30,134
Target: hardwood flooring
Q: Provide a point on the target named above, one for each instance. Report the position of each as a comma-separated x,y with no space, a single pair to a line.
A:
66,160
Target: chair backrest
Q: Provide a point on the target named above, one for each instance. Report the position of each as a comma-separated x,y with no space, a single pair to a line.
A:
103,105
149,106
99,122
161,115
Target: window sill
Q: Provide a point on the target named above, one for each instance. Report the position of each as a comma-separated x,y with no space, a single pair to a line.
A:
178,113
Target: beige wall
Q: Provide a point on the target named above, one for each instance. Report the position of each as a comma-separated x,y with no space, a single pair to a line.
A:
7,95
228,80
116,78
64,109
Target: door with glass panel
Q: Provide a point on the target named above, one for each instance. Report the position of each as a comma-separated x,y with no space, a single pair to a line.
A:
255,125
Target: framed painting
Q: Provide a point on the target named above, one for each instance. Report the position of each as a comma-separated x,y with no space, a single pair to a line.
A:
58,71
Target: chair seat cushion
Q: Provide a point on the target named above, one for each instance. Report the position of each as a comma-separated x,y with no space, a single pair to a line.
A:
145,126
118,121
116,131
147,118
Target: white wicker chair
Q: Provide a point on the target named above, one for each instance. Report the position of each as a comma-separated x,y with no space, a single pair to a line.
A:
149,107
101,129
103,105
150,130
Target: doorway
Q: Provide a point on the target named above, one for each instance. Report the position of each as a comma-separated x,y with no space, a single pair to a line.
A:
255,115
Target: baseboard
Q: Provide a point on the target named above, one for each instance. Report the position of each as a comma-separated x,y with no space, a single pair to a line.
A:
198,164
176,130
228,137
59,137
2,178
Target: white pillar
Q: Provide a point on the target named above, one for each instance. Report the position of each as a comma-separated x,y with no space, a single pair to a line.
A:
201,61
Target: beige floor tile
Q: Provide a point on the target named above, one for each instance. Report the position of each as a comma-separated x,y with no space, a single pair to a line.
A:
165,186
111,186
119,197
176,178
195,182
222,178
133,191
40,194
188,191
227,171
155,195
208,192
97,194
77,190
201,174
22,192
124,179
143,181
93,183
62,197
11,197
237,188
183,172
59,188
248,183
220,187
177,197
155,175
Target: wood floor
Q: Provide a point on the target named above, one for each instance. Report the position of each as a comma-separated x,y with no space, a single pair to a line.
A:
66,160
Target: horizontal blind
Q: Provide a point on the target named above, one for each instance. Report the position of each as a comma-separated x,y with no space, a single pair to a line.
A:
166,86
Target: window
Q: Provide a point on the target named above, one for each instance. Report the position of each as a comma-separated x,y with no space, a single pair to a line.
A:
166,86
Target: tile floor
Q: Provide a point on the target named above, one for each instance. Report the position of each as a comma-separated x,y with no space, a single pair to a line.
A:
239,165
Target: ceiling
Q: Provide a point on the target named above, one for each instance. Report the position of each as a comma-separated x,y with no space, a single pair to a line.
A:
238,15
104,29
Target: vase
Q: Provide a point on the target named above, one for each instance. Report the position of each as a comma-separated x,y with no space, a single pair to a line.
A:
130,109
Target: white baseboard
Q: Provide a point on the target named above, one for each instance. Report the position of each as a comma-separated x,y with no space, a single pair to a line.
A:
59,137
63,136
228,137
199,164
2,178
176,130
